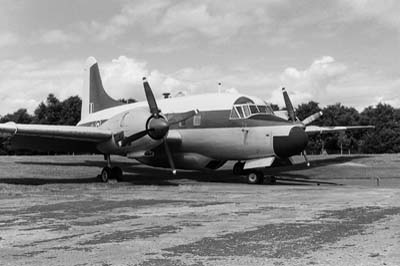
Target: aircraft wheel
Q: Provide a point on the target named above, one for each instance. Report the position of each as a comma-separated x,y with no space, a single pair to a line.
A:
116,172
255,177
238,168
105,174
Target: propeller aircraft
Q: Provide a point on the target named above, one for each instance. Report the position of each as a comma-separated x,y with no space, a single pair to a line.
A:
195,132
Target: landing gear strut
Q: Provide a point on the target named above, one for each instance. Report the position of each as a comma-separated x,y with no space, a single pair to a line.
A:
109,172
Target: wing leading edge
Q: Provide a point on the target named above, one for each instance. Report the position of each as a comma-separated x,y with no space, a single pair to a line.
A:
318,129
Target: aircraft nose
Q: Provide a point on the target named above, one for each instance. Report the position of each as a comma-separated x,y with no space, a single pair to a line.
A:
294,143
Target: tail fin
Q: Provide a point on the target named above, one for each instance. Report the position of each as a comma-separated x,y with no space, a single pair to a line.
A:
94,96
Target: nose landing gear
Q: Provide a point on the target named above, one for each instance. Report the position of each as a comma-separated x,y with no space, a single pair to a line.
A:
253,176
109,172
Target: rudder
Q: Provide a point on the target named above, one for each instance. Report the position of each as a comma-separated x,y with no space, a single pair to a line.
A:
94,98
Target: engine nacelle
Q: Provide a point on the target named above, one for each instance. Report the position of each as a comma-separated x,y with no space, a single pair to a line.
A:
125,125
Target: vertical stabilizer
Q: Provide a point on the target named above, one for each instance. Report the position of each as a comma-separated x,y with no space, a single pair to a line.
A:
94,96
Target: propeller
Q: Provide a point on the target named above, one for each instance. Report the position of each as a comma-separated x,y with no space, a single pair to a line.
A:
157,125
289,106
308,120
292,116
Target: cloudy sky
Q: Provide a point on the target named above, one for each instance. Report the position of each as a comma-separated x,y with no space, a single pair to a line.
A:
326,51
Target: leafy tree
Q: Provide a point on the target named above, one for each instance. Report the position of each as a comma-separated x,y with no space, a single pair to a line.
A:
70,111
20,116
49,112
306,109
386,136
55,112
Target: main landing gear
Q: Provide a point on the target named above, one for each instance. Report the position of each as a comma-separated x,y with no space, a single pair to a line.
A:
109,172
253,176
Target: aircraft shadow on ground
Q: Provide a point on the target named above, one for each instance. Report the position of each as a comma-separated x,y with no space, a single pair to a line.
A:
44,181
137,174
287,171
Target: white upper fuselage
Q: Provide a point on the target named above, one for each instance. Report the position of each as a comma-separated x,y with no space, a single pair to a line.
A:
202,102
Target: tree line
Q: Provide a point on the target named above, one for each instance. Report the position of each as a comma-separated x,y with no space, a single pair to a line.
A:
385,138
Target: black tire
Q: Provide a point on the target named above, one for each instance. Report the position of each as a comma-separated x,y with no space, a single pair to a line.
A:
255,177
105,174
238,168
116,172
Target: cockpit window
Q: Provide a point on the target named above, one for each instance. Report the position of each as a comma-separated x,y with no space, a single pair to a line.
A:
254,109
245,110
239,111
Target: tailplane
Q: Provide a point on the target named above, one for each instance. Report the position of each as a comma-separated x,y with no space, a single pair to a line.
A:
94,97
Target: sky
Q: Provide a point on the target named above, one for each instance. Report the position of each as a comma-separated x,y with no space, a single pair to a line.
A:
325,51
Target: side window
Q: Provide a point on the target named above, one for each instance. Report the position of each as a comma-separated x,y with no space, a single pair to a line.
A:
197,120
240,111
234,114
254,109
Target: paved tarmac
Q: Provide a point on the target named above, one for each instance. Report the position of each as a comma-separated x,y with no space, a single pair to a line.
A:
53,212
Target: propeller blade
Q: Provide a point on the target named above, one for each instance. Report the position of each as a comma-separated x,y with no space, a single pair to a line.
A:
150,98
169,156
308,120
289,106
182,117
134,137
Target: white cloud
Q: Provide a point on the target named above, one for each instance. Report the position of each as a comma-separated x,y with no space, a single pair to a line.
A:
24,83
311,83
186,19
57,36
122,78
386,12
8,39
328,82
199,18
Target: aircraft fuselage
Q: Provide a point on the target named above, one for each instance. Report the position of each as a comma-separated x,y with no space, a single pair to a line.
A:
211,135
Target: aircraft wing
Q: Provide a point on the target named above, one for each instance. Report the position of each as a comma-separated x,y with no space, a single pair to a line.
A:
318,129
53,137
